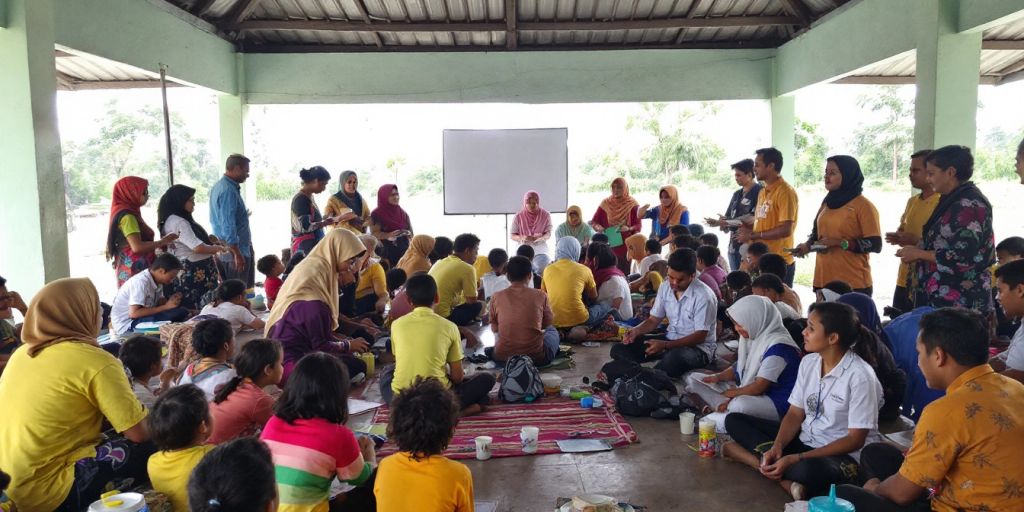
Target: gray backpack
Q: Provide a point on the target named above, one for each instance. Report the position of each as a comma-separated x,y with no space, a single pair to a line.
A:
520,382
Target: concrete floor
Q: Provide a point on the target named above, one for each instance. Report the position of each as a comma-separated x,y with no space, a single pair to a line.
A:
660,472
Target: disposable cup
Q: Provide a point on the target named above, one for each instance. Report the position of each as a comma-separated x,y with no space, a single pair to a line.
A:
483,447
529,436
686,423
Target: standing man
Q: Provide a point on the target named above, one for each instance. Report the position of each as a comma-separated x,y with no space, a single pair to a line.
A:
919,209
741,205
774,219
230,221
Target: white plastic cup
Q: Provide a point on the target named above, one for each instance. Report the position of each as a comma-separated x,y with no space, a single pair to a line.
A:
483,447
529,436
686,423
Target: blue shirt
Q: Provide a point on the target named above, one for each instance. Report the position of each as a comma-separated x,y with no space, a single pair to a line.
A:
661,232
228,215
902,336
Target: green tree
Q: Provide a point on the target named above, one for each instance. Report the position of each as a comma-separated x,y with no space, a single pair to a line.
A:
995,154
811,151
884,147
427,180
678,150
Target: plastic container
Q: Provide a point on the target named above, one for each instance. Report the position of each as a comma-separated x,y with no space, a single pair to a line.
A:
708,440
830,503
115,501
587,402
368,358
552,383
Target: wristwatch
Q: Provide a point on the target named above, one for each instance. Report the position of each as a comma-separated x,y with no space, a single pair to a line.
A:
844,244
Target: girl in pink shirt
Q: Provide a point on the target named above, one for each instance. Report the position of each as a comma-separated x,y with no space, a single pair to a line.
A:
241,407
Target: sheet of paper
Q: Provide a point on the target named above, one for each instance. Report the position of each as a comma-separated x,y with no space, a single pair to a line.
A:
583,445
357,406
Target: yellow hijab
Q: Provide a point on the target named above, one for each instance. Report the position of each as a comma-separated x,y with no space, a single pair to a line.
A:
636,246
416,257
316,277
64,310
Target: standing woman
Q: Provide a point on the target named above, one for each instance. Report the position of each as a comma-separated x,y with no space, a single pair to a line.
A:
307,223
847,226
130,244
958,247
741,205
532,226
667,214
348,199
194,246
391,224
618,210
305,315
574,226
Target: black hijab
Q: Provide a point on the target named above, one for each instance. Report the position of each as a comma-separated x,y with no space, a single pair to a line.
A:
354,202
173,203
853,182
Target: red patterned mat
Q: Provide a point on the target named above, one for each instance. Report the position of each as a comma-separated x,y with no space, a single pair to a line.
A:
557,418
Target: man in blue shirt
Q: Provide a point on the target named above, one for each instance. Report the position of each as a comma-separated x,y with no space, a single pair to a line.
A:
230,221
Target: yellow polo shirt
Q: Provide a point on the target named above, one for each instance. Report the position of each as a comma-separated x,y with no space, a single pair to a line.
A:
916,213
777,203
423,344
456,280
564,281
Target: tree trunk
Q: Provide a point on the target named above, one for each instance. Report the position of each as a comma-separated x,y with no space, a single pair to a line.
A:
895,163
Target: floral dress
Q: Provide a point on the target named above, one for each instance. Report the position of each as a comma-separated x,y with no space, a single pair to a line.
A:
960,233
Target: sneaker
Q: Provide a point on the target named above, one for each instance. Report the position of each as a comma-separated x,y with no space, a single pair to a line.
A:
797,491
666,413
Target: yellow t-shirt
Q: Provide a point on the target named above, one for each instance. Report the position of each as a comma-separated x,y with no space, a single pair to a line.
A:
969,444
432,484
169,472
482,266
423,344
335,207
55,404
456,280
916,213
373,280
129,225
856,219
777,203
654,280
565,282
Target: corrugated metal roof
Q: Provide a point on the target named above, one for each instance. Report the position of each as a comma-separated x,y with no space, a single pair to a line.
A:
995,66
77,70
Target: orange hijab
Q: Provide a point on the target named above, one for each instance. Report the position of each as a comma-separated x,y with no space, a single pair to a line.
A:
617,209
669,216
417,256
636,246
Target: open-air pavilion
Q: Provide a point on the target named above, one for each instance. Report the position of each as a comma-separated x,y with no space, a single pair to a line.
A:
253,52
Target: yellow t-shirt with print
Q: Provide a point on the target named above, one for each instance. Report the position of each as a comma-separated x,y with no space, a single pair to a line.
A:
777,203
169,472
56,403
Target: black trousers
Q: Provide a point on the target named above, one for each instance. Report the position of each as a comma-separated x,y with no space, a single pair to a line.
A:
465,314
901,299
816,474
879,460
472,390
790,274
674,362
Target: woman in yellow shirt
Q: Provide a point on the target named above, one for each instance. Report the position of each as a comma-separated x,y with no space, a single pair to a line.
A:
348,199
372,290
846,229
62,386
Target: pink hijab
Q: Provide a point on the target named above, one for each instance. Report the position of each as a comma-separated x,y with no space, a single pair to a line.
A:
529,223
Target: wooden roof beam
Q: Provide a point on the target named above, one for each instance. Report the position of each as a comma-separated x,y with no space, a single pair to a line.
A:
317,48
511,24
641,24
1009,44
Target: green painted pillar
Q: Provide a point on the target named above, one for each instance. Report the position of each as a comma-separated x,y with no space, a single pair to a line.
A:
34,232
948,65
233,113
784,132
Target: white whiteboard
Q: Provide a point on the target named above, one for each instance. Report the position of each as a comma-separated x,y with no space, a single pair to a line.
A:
489,171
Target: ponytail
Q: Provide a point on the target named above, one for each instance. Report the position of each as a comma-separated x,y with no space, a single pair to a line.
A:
842,320
227,291
866,345
254,357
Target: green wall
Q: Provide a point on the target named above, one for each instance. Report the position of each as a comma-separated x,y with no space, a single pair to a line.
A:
527,77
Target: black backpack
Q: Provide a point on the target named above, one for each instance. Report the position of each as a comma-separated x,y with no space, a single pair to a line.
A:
520,381
638,390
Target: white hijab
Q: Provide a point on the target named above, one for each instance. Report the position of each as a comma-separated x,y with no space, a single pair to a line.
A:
763,323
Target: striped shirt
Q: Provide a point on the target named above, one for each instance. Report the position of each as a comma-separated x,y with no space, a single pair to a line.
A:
308,454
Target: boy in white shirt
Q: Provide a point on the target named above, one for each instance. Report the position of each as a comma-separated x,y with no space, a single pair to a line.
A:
495,280
141,298
1010,285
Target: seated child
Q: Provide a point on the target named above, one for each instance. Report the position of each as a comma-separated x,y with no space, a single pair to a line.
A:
682,242
10,333
372,288
774,264
612,287
711,239
141,357
241,407
418,477
710,273
737,286
293,261
395,279
833,411
272,267
1010,285
427,345
832,291
677,230
652,253
770,286
213,340
141,298
179,425
5,504
751,262
230,304
1010,249
527,252
309,442
443,247
495,280
238,475
571,287
521,318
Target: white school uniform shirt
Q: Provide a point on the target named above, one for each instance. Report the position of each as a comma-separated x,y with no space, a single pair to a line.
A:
614,288
1014,355
847,397
139,290
645,264
695,310
239,316
184,246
